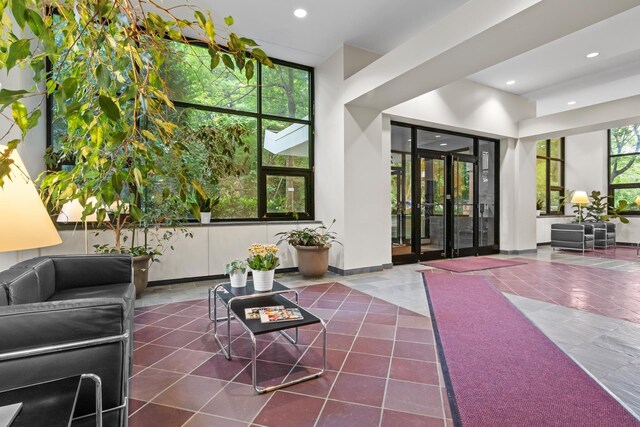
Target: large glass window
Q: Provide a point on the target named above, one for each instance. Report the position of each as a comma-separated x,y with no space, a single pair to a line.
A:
550,175
265,125
624,166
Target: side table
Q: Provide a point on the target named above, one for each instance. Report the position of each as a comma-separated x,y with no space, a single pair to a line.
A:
236,300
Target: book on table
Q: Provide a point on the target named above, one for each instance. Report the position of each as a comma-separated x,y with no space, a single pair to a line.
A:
276,313
9,413
279,314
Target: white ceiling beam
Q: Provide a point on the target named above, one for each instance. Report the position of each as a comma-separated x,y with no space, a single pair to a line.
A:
621,112
479,34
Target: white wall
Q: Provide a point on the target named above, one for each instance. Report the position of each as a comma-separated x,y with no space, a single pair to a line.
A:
586,162
203,255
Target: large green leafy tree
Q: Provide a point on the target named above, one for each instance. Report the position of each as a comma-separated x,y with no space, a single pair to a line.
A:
105,78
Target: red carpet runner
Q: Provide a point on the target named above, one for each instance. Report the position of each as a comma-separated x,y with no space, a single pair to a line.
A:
502,371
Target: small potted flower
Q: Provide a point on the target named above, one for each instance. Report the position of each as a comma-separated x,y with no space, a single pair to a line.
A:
237,271
263,260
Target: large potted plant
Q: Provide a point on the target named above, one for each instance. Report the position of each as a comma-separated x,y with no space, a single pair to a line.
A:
116,141
312,247
602,209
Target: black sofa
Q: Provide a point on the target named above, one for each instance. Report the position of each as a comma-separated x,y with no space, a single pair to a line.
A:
69,315
572,236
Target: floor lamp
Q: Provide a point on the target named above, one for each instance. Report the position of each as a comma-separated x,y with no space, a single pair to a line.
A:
24,221
72,212
580,197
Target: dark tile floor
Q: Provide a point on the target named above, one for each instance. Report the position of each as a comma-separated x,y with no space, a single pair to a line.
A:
381,361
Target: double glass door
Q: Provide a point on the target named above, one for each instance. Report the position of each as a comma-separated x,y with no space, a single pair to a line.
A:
444,189
446,206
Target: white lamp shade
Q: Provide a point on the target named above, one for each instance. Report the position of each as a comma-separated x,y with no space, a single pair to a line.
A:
24,221
72,212
580,197
638,200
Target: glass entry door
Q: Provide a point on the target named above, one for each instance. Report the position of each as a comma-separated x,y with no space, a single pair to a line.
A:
444,194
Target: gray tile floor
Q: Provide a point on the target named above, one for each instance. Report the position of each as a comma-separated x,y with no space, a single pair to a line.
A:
609,349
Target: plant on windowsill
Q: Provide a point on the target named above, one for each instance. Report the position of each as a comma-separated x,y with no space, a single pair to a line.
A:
539,206
312,247
109,89
205,206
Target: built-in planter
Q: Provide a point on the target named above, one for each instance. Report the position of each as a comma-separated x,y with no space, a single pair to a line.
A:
313,261
141,273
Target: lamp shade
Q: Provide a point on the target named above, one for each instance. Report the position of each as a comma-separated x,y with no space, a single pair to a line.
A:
72,212
24,221
580,197
638,200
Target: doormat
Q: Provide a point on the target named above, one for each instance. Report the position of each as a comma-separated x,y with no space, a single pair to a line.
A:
500,370
463,265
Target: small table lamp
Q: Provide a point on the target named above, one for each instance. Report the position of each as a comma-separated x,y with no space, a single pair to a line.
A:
72,212
580,197
638,201
24,221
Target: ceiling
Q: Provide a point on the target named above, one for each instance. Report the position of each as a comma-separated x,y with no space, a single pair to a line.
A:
552,75
374,25
559,72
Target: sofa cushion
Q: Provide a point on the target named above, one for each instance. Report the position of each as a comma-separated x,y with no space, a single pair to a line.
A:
21,285
44,269
3,296
75,271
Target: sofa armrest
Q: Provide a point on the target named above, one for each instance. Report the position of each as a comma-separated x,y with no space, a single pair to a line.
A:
28,326
76,271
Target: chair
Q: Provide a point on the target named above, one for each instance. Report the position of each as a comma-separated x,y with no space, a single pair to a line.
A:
604,234
572,236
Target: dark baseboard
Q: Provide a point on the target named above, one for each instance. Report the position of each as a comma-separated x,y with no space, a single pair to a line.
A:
519,252
360,270
205,278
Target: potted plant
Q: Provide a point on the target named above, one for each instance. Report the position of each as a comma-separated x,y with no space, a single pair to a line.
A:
312,246
205,205
237,271
263,260
539,206
101,64
601,208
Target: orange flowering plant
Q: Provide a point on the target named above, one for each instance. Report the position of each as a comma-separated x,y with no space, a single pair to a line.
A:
263,257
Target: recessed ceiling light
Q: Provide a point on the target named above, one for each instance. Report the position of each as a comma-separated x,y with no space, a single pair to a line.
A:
593,54
571,103
511,82
300,13
443,144
437,136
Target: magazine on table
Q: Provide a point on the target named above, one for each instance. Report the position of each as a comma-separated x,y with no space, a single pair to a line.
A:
254,312
279,314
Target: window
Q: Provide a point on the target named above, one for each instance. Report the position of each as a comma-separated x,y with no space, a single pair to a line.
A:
624,166
265,124
550,175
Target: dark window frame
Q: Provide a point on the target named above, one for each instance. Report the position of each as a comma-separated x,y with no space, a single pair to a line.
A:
262,170
548,187
611,187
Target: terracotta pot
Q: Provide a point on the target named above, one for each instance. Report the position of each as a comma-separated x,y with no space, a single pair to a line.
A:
313,261
141,273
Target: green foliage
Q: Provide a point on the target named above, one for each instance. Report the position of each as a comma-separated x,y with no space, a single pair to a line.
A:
539,204
108,88
236,266
601,208
318,236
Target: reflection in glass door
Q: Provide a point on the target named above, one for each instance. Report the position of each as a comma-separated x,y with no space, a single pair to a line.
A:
401,204
463,207
433,226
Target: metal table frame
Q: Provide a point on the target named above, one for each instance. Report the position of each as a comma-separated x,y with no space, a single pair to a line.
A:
213,316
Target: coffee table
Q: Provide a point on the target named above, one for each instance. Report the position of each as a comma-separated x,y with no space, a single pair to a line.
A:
235,300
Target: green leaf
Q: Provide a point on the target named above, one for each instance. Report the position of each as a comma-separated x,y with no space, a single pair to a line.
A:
34,118
18,50
136,212
70,86
137,176
228,62
18,8
109,107
103,76
228,20
9,96
200,18
248,42
34,20
19,112
248,70
215,61
210,30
